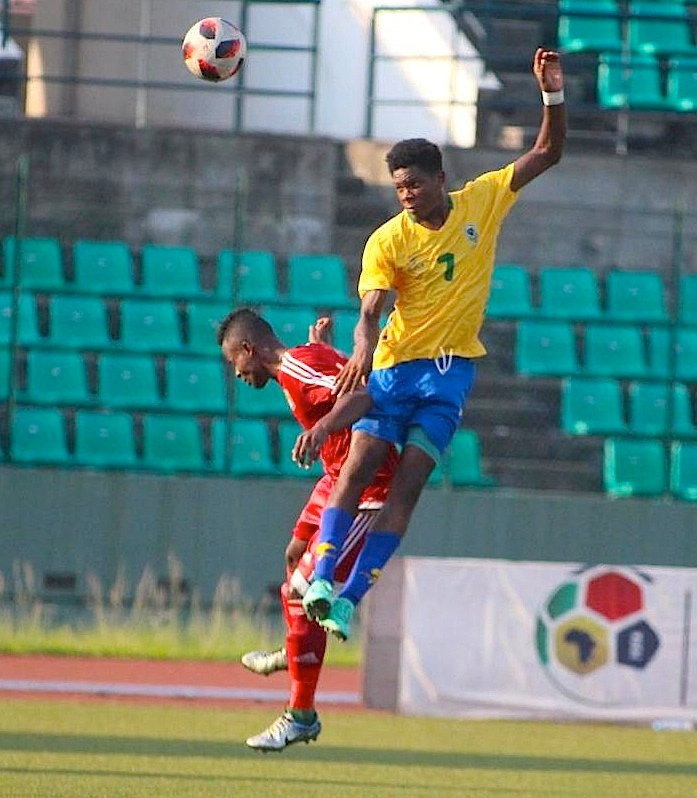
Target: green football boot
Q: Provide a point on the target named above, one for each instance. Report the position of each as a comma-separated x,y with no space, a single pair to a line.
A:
317,601
338,622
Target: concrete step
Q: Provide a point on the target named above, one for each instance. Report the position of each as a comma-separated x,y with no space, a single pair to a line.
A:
547,475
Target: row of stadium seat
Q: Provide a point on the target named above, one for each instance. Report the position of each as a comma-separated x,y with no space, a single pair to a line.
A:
610,350
107,268
640,468
179,443
635,82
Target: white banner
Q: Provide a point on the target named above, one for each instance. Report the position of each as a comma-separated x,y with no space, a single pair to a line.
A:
490,638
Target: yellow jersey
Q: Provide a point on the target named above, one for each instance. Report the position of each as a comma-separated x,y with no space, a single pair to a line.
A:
441,277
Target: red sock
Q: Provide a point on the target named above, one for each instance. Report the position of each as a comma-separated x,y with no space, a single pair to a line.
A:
305,645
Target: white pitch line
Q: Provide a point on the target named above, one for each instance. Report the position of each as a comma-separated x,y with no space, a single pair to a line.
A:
167,691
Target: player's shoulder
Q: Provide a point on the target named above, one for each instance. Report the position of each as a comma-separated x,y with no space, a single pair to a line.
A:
318,356
389,231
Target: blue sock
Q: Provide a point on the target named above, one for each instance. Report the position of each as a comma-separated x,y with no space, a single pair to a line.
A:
376,551
333,528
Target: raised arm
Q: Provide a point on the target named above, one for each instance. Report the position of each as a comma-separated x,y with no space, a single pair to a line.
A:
548,147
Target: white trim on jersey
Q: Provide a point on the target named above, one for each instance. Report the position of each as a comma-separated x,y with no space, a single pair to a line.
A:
303,373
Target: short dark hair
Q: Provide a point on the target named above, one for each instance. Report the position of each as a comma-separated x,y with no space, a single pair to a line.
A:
244,323
415,152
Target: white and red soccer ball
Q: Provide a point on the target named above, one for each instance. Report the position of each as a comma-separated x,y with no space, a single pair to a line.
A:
214,49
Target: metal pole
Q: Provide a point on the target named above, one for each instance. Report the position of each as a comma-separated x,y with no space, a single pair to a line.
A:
239,100
369,100
674,293
142,92
5,22
312,116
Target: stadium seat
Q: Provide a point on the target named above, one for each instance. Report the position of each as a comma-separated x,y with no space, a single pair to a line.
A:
634,467
250,448
38,436
589,25
102,267
56,378
41,265
203,319
652,36
319,279
128,381
28,332
569,293
592,407
196,385
683,471
169,271
684,364
256,276
635,296
78,323
259,402
288,432
545,347
149,326
649,411
630,82
104,440
682,83
511,294
291,325
4,374
436,477
464,462
343,324
614,350
688,299
172,443
686,354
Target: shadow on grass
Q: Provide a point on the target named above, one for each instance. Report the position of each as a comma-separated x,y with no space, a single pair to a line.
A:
216,749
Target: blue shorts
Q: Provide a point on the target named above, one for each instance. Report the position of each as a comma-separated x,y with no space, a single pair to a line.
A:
415,402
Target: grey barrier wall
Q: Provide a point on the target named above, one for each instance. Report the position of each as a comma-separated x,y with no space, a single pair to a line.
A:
80,522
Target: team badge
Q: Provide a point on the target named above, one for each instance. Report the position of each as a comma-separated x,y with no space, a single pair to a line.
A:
472,233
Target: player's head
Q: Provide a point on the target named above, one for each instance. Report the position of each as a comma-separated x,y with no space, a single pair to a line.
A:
416,168
250,345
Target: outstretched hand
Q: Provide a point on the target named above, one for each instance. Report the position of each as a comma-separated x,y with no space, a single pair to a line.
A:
320,332
546,67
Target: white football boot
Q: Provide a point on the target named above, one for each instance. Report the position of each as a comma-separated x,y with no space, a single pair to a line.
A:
284,731
265,662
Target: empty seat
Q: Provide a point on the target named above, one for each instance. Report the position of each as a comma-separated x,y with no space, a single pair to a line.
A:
104,440
649,410
203,319
683,364
40,264
56,378
615,350
545,347
683,471
569,293
343,325
686,354
288,432
291,325
169,271
688,299
630,82
78,322
28,332
4,374
682,83
589,25
260,402
320,279
150,326
172,443
592,407
465,460
248,451
634,467
655,28
38,436
196,385
103,267
255,282
128,381
511,294
635,296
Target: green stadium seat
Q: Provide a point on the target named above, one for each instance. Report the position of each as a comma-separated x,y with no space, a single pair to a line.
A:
319,279
652,36
4,374
149,326
683,471
592,407
56,378
102,267
649,411
250,448
686,354
635,296
38,436
259,402
569,293
196,385
41,264
127,381
688,299
630,82
634,467
257,282
291,325
28,332
288,432
203,319
464,462
682,84
104,440
169,271
172,443
436,477
343,325
78,323
545,347
589,25
684,365
511,294
614,350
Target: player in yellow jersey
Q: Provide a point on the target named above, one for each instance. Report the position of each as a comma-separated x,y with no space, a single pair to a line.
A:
438,257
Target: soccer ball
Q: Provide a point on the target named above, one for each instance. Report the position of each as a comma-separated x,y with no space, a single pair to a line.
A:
214,49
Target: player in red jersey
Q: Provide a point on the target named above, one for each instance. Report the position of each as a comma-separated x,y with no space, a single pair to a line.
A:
306,374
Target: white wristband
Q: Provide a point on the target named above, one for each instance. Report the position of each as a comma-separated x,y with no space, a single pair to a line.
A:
553,97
